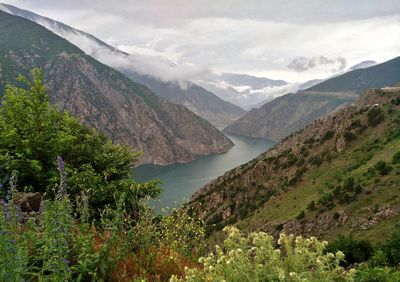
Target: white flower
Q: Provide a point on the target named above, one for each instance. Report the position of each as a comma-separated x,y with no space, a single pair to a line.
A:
340,255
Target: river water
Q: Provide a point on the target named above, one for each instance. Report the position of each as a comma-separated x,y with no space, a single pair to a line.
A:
180,181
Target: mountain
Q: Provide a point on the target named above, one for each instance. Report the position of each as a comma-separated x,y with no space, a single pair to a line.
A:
202,102
337,175
241,89
103,98
363,65
196,98
310,83
357,81
289,113
286,114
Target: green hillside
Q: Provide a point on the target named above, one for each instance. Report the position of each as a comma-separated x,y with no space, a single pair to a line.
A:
338,175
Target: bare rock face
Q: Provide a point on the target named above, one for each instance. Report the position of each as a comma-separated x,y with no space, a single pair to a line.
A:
28,202
103,98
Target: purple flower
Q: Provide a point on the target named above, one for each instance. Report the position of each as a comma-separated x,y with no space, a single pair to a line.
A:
62,190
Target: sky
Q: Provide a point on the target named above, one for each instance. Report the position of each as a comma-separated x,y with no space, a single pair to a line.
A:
293,40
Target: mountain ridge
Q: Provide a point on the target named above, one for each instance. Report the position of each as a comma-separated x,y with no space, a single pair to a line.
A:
217,111
102,97
289,113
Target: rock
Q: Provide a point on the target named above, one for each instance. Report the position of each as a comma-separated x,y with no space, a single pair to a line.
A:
28,202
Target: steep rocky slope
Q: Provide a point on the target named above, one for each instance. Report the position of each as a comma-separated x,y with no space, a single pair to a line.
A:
104,98
202,102
286,114
340,174
289,113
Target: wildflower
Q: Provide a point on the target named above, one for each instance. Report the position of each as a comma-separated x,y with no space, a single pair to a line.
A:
281,276
340,255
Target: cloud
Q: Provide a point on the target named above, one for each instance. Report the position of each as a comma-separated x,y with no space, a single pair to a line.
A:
300,64
182,39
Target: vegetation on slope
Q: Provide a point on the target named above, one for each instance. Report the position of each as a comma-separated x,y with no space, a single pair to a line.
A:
338,175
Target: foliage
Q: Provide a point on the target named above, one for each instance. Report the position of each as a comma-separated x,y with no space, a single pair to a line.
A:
375,116
58,245
391,249
396,158
33,133
255,258
368,274
382,167
355,251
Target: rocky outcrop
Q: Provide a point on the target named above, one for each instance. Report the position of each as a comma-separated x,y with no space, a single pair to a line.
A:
103,98
28,202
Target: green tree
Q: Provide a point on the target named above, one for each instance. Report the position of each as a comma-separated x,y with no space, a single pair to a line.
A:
33,133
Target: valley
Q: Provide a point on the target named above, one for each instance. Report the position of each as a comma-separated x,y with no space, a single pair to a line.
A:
200,141
181,181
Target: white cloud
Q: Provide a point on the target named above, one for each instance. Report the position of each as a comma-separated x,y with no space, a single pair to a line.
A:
183,39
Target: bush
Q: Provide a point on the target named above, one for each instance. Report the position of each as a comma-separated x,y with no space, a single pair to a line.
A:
375,116
328,135
349,136
355,251
255,258
382,167
301,215
367,274
396,158
392,249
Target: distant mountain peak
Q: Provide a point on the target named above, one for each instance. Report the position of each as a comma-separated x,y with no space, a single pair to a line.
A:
363,65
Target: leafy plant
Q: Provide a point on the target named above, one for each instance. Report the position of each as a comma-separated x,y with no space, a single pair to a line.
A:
255,258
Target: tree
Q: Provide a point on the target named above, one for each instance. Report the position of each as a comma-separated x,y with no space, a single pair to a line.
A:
33,133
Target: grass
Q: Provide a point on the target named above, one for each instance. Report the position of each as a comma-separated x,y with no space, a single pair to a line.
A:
377,191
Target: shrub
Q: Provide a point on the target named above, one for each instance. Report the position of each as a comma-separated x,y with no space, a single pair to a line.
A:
349,136
301,215
311,206
392,249
255,258
375,116
382,167
328,135
368,274
396,158
355,251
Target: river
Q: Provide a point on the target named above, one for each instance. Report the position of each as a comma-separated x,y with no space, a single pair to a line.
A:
180,181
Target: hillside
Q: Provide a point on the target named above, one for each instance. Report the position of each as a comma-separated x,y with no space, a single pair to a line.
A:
289,113
286,114
376,76
202,102
337,175
197,99
104,98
